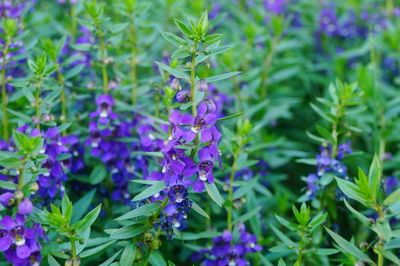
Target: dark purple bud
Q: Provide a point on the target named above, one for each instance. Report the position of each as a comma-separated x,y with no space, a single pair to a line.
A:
183,96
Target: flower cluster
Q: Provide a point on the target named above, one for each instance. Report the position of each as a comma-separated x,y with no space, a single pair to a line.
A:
230,250
19,242
326,164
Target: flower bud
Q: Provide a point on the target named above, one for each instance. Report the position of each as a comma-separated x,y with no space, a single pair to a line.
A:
176,85
7,199
156,244
34,187
203,86
19,195
25,207
183,96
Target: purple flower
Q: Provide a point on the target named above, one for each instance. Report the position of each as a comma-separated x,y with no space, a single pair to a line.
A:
328,21
19,243
204,169
391,184
275,6
104,109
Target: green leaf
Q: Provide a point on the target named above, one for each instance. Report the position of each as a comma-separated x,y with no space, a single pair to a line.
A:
196,236
82,205
8,185
246,187
98,174
52,261
214,194
286,223
247,216
96,250
351,190
374,176
157,259
222,76
173,71
231,116
145,210
74,71
317,221
349,247
287,241
392,198
111,259
87,221
11,162
281,262
66,207
183,27
199,210
127,231
174,40
25,118
150,191
128,255
321,113
358,215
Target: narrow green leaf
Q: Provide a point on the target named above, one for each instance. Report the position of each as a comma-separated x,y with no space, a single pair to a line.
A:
231,116
242,190
214,194
358,215
374,176
96,250
222,76
150,191
145,210
247,216
287,241
87,221
52,261
199,210
349,247
111,259
173,71
128,255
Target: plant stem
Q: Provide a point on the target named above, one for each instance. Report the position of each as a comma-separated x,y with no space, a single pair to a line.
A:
230,191
133,64
37,105
63,99
6,134
193,79
380,248
267,67
103,59
193,95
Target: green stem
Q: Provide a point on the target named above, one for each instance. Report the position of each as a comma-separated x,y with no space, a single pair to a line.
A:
63,99
193,79
37,105
230,191
4,98
193,95
133,65
267,67
380,247
103,59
